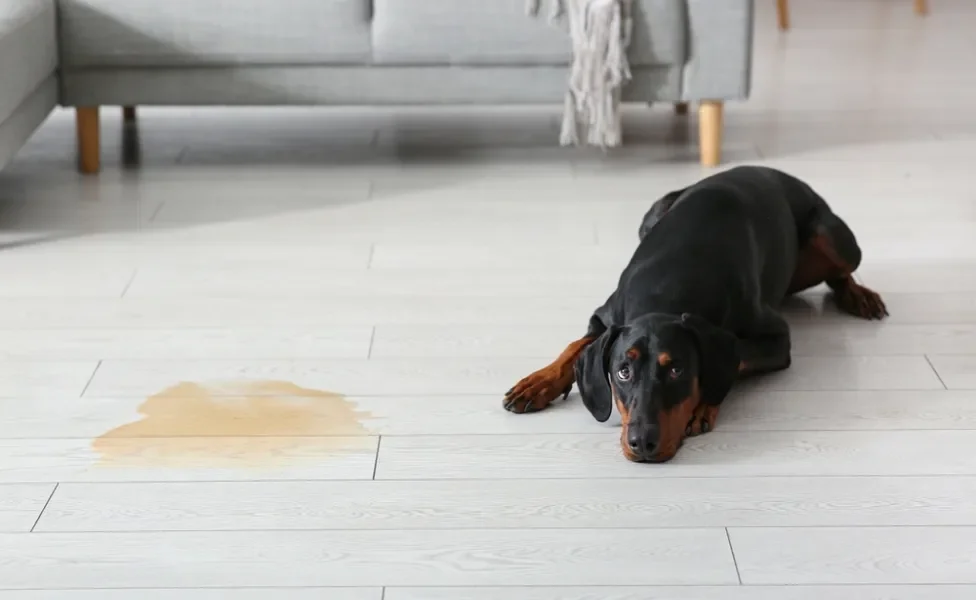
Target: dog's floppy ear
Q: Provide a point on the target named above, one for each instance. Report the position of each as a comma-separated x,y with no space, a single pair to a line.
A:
591,375
719,357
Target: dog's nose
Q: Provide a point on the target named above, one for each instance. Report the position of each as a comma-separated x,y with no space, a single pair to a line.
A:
642,441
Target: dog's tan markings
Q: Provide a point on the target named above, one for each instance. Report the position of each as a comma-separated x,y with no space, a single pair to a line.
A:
664,359
818,262
625,423
813,267
855,299
703,420
674,423
537,391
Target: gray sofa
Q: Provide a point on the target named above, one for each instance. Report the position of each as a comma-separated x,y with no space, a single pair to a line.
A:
28,70
342,52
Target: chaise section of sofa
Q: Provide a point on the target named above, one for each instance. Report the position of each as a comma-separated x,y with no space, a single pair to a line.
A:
28,70
381,52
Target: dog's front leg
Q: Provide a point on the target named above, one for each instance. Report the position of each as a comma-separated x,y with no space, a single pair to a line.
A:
537,391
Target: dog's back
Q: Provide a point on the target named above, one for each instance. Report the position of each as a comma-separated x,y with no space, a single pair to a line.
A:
731,233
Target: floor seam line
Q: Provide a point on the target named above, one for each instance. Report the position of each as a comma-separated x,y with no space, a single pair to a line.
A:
936,371
44,508
376,460
369,259
156,212
90,379
372,340
128,284
735,562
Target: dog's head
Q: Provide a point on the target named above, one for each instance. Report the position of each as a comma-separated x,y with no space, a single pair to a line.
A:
659,368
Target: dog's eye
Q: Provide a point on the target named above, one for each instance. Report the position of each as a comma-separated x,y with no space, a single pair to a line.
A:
623,374
674,373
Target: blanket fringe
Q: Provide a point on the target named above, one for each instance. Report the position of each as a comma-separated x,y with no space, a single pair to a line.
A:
555,8
600,32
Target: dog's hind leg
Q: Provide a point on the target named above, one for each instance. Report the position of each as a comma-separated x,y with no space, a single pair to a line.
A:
830,255
768,347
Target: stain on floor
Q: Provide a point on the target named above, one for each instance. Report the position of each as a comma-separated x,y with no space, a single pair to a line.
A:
249,424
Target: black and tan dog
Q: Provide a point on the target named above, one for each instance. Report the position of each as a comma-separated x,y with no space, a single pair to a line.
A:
697,307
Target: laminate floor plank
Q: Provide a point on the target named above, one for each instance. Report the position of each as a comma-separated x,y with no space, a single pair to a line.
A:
21,505
520,505
197,343
187,458
29,379
747,592
351,558
855,555
716,454
267,593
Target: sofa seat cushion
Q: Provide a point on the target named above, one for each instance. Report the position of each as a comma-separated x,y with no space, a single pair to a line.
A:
105,33
500,33
28,50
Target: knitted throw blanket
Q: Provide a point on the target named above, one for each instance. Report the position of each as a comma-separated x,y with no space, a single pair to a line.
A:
600,33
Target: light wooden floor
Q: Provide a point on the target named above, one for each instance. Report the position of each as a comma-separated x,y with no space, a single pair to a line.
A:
382,277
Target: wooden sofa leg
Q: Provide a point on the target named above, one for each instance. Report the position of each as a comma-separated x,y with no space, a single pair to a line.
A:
89,151
710,132
128,114
681,108
783,14
921,7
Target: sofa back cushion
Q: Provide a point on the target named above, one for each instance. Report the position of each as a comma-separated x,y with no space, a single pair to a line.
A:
154,33
100,33
499,33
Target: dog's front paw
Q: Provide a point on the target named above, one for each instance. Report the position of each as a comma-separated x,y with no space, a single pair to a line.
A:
538,390
703,420
861,302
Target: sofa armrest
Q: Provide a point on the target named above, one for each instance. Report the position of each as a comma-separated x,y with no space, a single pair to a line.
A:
28,50
719,65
